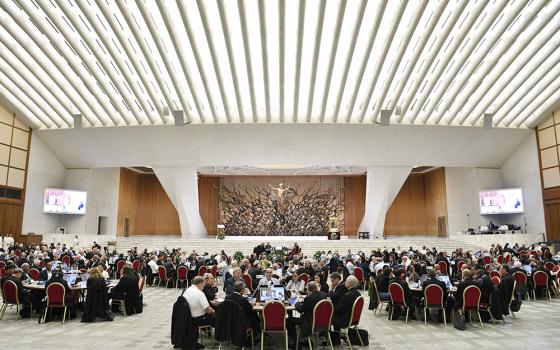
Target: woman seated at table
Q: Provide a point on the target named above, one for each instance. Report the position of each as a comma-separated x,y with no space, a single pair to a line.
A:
127,289
296,285
97,301
321,283
411,274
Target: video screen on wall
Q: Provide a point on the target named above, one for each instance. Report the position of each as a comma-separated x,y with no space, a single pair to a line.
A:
504,201
60,201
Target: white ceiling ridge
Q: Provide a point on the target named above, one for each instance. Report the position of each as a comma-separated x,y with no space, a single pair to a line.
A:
105,97
137,95
248,59
552,87
510,42
41,51
460,71
544,111
131,54
8,99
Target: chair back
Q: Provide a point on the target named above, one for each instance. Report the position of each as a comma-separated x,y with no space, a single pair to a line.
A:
136,265
520,277
500,259
2,271
202,270
18,253
304,277
433,295
396,292
460,266
182,272
162,273
496,280
357,311
471,298
55,295
141,283
41,263
2,264
507,258
443,267
487,259
214,270
494,273
274,316
487,267
66,260
322,316
10,292
359,274
556,268
120,266
541,279
248,281
34,274
549,266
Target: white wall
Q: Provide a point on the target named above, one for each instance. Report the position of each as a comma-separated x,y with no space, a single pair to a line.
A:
45,170
521,169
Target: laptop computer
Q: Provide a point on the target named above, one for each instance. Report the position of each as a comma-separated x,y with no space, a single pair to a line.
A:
446,280
70,279
423,279
528,269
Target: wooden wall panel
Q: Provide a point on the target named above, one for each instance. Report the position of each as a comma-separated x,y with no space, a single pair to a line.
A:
436,199
354,203
552,220
208,191
144,202
11,218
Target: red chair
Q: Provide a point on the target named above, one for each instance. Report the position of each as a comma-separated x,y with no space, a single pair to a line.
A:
136,265
443,267
487,259
274,320
119,268
55,298
66,260
202,270
500,259
359,274
10,293
248,281
397,299
507,258
521,278
556,268
34,274
141,284
162,273
379,301
487,267
471,302
2,264
2,272
495,280
304,277
540,279
460,266
494,273
182,275
214,270
18,253
433,297
355,320
549,266
322,316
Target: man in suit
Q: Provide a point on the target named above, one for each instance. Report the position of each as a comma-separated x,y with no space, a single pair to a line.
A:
484,283
343,310
251,317
447,302
210,288
11,273
47,272
230,282
68,298
305,308
338,289
466,281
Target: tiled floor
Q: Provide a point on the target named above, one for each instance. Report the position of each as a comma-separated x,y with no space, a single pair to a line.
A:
536,327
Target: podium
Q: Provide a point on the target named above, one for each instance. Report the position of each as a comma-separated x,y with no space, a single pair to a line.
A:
334,234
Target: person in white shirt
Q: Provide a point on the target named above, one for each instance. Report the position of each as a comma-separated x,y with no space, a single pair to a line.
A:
268,280
296,285
103,271
201,312
154,269
350,267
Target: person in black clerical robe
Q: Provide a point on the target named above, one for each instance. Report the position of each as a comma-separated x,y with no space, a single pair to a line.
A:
251,317
97,300
343,310
127,289
502,295
305,308
338,288
68,298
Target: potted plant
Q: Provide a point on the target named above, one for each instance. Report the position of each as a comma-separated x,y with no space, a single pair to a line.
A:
238,256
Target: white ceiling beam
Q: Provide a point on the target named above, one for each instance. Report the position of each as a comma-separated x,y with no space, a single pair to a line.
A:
381,59
214,57
398,57
115,55
363,64
551,105
430,57
446,57
40,49
482,35
282,53
552,92
132,55
517,38
248,60
12,102
264,54
171,72
332,56
93,76
316,49
297,77
348,60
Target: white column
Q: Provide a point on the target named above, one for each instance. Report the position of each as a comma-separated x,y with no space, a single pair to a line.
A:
181,185
382,186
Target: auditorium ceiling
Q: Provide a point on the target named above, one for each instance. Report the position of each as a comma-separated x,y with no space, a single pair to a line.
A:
95,63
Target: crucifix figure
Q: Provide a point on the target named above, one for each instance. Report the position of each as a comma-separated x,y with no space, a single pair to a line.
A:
279,191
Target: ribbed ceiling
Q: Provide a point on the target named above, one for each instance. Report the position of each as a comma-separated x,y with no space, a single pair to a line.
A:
149,62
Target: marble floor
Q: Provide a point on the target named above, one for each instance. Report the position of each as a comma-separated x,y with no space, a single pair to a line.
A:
535,327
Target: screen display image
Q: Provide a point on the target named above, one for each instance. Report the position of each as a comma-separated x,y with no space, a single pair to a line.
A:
505,201
64,201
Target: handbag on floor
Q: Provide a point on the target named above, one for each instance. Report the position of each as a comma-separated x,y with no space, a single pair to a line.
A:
353,335
460,322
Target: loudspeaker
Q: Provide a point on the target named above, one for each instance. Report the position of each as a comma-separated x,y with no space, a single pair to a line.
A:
487,121
179,117
77,121
385,117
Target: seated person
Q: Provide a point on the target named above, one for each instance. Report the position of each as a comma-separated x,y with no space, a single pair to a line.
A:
338,289
382,282
540,267
305,308
97,300
343,309
230,282
321,283
201,312
68,298
128,290
411,300
46,273
103,271
296,285
210,288
466,281
268,280
447,302
11,273
484,283
251,317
